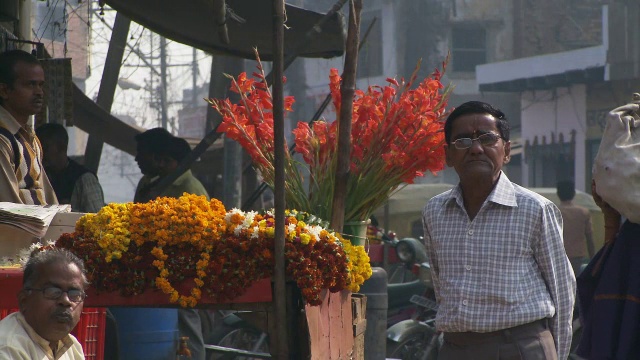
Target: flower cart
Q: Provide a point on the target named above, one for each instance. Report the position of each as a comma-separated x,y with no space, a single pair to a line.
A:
323,332
191,252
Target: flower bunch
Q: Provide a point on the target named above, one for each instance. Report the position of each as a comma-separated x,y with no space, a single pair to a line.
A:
359,265
250,123
20,259
182,246
397,135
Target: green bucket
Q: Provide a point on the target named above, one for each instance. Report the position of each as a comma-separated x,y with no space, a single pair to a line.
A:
355,231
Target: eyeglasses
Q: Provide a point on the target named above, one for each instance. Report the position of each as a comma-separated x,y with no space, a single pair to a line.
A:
488,139
54,293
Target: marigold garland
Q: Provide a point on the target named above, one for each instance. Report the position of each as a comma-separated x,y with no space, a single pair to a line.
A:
195,242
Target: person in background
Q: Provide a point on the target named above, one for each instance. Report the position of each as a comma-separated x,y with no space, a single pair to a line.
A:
22,177
51,301
158,154
577,229
502,279
73,183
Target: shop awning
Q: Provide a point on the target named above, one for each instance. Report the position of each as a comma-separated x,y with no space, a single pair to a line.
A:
191,22
544,71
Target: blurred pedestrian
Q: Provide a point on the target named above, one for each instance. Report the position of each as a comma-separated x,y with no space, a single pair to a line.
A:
73,183
22,177
502,279
577,230
158,154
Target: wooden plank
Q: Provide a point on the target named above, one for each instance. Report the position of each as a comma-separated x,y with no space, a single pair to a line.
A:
359,310
330,327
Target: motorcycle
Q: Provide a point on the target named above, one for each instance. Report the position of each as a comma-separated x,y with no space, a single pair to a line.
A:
416,338
235,338
405,280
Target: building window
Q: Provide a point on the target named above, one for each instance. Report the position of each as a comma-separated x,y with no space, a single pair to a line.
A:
468,47
550,163
370,56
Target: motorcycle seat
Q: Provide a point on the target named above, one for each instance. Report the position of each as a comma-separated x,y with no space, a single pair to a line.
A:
399,294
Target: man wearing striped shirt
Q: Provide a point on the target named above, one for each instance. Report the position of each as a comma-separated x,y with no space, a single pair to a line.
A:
503,281
22,177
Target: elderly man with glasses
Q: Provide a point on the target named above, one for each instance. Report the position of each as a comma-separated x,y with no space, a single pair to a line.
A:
502,279
51,301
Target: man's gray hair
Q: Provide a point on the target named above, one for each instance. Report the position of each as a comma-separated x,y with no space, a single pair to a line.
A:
50,256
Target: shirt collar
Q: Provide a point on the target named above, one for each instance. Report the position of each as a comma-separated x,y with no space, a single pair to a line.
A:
8,121
62,347
503,193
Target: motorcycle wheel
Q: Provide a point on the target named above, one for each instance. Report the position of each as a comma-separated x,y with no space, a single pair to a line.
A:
238,336
412,348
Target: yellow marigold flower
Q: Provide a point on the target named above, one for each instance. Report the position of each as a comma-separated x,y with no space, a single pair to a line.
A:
305,238
174,296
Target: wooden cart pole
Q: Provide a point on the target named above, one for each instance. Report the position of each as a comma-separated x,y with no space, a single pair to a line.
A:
279,294
346,111
107,90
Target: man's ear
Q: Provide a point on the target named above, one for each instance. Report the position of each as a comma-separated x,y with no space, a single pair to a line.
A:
507,152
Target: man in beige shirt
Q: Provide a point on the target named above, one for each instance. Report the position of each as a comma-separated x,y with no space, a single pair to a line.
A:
577,229
22,176
51,302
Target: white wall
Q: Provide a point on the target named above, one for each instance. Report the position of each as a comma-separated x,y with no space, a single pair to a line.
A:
561,110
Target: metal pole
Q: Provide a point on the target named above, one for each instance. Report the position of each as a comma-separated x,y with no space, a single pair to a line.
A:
279,295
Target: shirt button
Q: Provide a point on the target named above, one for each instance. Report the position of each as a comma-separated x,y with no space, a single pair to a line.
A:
465,302
470,232
468,267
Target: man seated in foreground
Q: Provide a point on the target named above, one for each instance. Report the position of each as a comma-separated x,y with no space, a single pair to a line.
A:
51,301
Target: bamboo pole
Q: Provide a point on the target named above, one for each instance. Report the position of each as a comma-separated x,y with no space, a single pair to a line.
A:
279,294
346,111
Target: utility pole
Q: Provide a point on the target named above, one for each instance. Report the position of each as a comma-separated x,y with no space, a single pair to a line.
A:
194,79
163,80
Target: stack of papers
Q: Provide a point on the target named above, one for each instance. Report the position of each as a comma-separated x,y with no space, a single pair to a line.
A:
34,219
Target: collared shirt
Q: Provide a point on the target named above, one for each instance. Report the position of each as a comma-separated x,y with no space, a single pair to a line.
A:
504,268
20,342
184,183
87,194
29,183
577,229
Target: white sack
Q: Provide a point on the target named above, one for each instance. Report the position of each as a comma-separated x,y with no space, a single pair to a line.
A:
617,165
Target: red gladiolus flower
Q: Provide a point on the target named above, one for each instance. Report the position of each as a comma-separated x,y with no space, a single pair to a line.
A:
396,135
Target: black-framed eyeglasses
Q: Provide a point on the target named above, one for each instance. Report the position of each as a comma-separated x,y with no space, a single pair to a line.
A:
488,139
54,293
